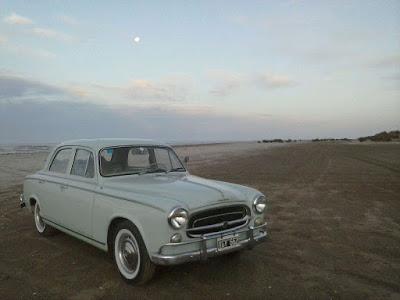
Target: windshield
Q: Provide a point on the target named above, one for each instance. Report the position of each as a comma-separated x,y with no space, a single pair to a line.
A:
116,161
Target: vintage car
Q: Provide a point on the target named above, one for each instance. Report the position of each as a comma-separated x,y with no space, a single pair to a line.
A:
135,199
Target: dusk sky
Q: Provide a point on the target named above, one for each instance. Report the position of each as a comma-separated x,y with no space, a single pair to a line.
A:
198,70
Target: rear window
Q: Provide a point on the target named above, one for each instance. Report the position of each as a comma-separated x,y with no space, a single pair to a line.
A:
61,161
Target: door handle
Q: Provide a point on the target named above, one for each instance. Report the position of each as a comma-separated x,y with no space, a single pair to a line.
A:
41,181
63,187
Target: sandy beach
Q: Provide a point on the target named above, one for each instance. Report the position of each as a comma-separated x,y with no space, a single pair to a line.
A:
334,230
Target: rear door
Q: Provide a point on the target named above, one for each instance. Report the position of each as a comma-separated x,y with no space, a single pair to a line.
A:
78,193
52,185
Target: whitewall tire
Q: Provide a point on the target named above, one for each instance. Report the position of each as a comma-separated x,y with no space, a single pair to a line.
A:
41,227
130,254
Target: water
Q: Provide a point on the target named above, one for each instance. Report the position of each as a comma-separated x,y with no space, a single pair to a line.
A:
25,148
47,147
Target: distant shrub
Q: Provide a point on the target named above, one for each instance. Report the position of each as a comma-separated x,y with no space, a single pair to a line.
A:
382,136
327,140
273,141
395,134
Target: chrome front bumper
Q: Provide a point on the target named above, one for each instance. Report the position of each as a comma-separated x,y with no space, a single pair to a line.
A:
204,252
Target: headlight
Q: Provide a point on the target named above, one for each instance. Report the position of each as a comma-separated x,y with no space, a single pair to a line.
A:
178,218
259,204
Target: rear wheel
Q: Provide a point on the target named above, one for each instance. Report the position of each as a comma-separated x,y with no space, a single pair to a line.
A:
130,254
41,226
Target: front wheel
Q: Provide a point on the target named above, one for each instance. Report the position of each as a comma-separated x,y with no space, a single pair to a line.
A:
41,226
130,254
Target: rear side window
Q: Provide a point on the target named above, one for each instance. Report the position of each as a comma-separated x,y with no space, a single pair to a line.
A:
83,164
61,161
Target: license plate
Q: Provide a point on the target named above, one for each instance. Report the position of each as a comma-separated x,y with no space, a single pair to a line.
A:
227,242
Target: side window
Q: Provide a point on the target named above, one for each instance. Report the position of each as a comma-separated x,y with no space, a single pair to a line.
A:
83,164
162,158
60,161
174,160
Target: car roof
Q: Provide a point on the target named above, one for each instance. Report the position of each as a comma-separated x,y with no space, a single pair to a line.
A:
100,143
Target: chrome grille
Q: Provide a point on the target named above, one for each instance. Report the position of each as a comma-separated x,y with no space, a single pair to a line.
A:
217,220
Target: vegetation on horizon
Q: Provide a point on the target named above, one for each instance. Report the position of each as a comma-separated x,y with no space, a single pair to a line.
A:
382,136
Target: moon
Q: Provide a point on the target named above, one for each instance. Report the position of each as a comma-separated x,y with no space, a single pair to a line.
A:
136,39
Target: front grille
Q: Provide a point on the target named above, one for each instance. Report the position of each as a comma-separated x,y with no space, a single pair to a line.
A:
217,220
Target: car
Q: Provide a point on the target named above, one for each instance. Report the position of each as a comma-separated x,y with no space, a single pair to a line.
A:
136,199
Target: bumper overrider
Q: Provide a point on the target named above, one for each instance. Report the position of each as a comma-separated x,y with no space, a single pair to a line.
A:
21,201
206,246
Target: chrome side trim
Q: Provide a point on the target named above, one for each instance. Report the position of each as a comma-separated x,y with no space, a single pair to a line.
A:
99,193
70,230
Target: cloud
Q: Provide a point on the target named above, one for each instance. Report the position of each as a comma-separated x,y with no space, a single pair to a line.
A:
14,87
32,110
226,82
15,19
40,53
269,81
146,89
395,77
388,66
3,40
29,51
68,20
166,90
389,61
239,20
172,89
51,34
229,82
54,121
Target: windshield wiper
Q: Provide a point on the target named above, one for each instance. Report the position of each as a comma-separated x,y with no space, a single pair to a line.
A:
162,170
157,170
179,169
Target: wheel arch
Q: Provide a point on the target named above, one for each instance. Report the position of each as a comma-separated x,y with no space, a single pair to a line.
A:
32,199
116,219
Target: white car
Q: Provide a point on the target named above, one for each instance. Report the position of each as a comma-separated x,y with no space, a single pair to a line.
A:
135,199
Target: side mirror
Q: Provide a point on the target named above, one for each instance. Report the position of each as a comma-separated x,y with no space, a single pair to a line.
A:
186,160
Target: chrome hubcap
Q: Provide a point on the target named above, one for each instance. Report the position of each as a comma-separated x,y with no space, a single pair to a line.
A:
40,225
127,253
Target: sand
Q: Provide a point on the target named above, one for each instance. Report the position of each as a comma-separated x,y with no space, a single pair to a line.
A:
334,231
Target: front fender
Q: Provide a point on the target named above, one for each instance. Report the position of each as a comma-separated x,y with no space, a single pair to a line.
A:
152,223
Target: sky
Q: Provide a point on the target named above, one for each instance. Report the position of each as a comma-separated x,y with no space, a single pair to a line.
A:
198,70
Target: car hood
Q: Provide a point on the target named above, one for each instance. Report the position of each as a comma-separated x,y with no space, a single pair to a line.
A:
166,190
